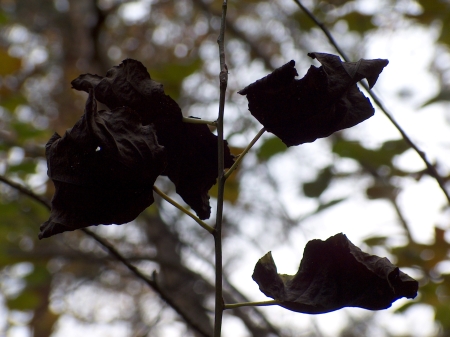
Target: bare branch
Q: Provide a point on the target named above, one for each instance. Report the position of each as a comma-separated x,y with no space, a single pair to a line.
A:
431,169
115,253
26,191
255,48
223,79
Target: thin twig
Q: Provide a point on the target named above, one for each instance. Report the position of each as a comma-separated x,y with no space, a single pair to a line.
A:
149,281
235,295
184,210
252,304
431,169
324,29
115,253
402,219
223,79
242,155
26,191
392,199
198,121
232,29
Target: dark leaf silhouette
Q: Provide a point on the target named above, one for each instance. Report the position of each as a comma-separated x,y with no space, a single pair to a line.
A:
191,148
326,100
334,274
103,169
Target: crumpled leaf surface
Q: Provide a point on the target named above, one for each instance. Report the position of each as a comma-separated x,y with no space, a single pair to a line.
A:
191,148
103,169
326,100
334,274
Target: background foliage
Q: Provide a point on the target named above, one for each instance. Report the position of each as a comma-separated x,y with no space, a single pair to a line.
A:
68,283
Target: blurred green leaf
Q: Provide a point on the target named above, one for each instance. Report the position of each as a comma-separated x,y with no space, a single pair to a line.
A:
442,96
304,22
232,188
442,314
315,188
270,147
12,100
329,204
27,166
10,65
372,158
26,131
3,18
427,256
405,307
375,241
27,300
171,75
433,11
359,22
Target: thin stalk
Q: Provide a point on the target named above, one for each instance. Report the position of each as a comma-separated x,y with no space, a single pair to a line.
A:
242,155
431,169
26,191
198,121
184,210
323,28
252,304
150,281
223,78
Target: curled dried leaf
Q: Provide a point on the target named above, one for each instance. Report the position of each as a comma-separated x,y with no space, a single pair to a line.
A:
334,274
191,148
103,169
326,100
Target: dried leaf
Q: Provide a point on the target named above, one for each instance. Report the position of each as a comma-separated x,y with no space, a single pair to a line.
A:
103,169
335,274
326,100
191,148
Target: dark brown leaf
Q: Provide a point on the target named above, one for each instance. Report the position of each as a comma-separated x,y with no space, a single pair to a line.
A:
103,169
191,148
326,100
335,274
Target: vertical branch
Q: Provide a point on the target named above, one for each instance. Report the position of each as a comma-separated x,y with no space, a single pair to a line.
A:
223,77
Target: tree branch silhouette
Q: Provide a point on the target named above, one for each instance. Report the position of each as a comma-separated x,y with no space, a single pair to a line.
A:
150,281
430,167
223,79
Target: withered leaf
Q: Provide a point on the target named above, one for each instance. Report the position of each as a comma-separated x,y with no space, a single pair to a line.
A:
191,148
326,100
334,274
103,169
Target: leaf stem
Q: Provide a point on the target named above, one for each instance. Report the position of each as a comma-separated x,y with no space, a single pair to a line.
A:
198,121
223,80
251,304
431,169
242,155
184,210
